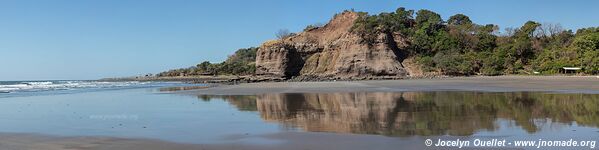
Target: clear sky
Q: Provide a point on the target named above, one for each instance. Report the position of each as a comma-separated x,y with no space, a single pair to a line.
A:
91,39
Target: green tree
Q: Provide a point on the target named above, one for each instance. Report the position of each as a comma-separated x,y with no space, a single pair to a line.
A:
459,19
586,46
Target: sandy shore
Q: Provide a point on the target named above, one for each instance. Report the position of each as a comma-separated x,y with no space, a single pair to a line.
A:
298,140
22,141
569,84
277,141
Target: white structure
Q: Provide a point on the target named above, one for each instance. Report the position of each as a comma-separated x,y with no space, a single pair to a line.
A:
571,69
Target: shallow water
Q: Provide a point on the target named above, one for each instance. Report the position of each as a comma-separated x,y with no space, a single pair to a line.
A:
54,87
395,116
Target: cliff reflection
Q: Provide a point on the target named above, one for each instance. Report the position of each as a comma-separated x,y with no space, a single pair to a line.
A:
419,113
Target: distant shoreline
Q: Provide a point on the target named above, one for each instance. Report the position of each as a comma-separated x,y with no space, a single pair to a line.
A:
568,84
228,79
194,79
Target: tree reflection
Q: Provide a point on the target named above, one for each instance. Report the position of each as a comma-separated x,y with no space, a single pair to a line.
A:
419,113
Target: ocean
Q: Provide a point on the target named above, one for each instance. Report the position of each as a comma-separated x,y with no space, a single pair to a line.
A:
50,87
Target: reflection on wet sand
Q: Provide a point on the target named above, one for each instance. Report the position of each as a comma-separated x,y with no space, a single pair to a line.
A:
181,88
419,113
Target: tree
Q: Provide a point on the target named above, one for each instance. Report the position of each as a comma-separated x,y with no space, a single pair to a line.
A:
586,46
404,14
404,19
203,66
368,26
459,19
548,30
486,40
242,62
456,47
283,33
519,49
428,21
428,17
527,30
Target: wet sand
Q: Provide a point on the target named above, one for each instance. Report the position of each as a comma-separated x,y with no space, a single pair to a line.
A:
277,141
22,141
299,140
568,84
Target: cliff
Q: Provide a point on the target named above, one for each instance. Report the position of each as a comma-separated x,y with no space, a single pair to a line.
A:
332,51
407,43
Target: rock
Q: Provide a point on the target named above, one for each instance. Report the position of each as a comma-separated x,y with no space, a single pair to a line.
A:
333,52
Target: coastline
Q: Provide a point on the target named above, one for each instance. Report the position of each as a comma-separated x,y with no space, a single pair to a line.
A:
567,84
262,75
235,79
297,140
192,79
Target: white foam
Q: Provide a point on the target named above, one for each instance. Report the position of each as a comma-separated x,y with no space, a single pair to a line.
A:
62,85
8,89
38,83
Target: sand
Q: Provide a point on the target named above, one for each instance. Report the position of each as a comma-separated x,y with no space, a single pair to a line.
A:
298,140
276,141
568,84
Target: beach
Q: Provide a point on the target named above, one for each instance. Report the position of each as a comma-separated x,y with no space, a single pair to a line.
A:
297,141
273,75
573,84
352,115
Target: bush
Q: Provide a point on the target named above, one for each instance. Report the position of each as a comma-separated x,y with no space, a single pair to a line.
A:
455,47
283,33
427,63
313,26
240,63
453,64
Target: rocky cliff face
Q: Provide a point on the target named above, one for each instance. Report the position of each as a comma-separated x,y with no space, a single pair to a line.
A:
332,51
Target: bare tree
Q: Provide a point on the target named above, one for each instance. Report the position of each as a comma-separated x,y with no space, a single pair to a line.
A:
555,29
496,30
541,31
510,31
283,33
548,30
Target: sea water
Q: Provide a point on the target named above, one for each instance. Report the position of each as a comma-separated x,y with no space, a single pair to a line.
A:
149,111
50,87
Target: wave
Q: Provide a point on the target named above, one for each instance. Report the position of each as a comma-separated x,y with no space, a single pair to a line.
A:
32,86
38,83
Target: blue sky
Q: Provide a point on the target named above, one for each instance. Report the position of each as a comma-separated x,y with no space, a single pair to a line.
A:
91,39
